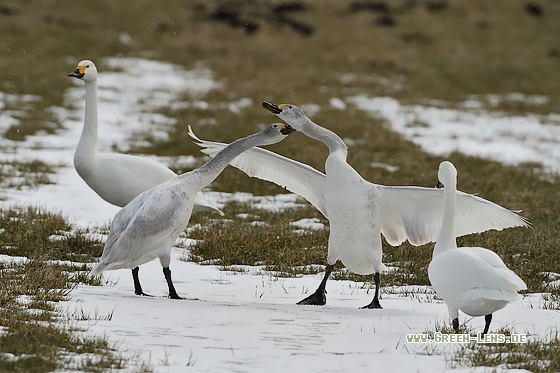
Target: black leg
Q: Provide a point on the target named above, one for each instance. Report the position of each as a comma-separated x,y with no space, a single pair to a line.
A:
375,302
455,323
319,297
172,293
137,286
488,319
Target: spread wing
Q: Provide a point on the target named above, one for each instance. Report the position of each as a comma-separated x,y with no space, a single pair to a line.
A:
415,214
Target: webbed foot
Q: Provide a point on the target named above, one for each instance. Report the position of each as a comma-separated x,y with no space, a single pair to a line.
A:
142,293
373,305
318,298
175,296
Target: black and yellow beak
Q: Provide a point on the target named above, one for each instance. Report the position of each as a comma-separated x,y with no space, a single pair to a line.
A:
286,129
79,72
439,185
274,109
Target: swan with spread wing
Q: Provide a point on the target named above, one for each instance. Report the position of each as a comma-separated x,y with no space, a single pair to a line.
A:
360,211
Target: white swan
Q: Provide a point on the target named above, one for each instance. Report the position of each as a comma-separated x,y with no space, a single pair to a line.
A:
146,228
474,280
117,178
358,211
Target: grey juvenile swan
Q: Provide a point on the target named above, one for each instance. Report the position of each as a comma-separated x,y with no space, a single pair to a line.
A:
146,228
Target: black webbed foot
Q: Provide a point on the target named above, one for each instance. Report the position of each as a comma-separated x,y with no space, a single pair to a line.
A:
375,302
172,292
175,296
142,293
137,287
318,298
373,305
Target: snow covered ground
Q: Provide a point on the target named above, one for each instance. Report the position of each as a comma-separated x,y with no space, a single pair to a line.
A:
248,322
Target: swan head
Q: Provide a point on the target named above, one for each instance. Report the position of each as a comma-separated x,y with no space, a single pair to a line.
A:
289,113
447,174
274,133
85,71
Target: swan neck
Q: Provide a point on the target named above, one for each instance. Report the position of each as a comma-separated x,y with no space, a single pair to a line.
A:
87,146
327,137
208,172
447,239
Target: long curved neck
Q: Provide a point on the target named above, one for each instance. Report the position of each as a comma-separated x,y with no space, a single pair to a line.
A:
330,139
208,172
447,238
87,146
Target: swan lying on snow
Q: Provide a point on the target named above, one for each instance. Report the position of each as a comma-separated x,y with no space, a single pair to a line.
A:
359,211
474,280
146,228
117,178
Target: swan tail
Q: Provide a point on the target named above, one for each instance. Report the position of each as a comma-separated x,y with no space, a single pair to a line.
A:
98,269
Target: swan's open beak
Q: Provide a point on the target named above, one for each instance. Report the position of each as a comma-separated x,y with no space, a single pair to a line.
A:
79,72
286,129
274,109
439,185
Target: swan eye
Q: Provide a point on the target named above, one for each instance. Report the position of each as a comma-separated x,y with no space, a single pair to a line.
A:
87,66
290,106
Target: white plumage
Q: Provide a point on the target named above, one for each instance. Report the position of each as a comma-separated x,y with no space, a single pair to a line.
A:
358,211
146,228
117,178
474,280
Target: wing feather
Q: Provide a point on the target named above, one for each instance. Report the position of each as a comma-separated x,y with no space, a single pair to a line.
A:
416,213
295,176
145,227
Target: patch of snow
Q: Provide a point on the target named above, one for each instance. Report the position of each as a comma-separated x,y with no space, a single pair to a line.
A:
510,140
385,166
337,103
309,223
311,109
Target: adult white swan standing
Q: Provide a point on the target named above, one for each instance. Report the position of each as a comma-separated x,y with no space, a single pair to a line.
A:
117,178
359,211
474,280
146,228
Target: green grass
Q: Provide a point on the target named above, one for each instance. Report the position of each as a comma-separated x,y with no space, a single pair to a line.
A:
272,244
32,231
538,355
34,338
467,48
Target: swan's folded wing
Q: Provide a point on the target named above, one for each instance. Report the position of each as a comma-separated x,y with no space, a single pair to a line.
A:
415,214
143,226
295,176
